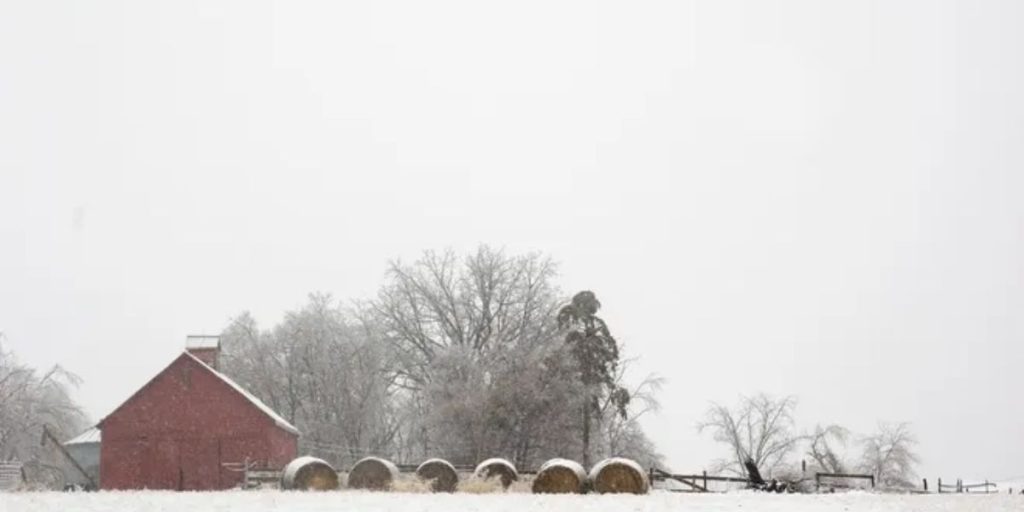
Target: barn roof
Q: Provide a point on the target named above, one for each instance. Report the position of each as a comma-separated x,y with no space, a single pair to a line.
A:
278,420
91,435
281,422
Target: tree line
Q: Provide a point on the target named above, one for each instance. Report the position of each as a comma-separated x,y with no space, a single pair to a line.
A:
762,430
461,357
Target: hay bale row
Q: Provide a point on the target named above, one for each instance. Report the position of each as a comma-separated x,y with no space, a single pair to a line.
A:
497,468
309,474
373,474
560,476
614,475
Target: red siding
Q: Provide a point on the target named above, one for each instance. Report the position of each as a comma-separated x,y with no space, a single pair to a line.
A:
179,430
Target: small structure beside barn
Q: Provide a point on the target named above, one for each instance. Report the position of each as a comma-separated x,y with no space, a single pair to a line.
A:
192,428
85,450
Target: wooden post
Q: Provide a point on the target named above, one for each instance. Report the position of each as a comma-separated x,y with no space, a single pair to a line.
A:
925,482
872,481
940,485
803,467
705,479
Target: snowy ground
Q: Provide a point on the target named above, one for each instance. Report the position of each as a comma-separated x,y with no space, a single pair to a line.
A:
345,501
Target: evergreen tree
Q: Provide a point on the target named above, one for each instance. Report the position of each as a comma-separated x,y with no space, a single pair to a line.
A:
597,357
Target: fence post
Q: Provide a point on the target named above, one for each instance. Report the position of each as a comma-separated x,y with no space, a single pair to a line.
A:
939,485
817,481
705,479
872,481
925,482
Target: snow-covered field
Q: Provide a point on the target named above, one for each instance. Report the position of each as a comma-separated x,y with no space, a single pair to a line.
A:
347,501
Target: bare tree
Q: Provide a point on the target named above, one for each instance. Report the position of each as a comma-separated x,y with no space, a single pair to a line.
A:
518,401
823,446
475,347
889,455
481,302
761,429
322,369
28,402
623,435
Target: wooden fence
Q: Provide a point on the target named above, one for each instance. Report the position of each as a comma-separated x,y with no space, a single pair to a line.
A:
696,483
819,476
699,483
960,487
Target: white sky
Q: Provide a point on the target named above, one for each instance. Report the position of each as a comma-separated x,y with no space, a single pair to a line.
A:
810,198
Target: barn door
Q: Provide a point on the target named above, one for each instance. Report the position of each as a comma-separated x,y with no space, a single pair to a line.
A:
200,465
159,465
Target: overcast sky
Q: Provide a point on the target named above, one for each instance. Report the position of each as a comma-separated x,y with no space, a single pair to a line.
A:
812,198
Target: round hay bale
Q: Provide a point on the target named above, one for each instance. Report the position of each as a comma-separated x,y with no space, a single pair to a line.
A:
440,473
560,476
497,468
309,474
618,475
373,474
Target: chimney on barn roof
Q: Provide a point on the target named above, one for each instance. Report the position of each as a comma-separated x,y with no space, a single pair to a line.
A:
205,348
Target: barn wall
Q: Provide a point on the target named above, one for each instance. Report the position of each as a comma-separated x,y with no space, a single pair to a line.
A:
284,447
180,429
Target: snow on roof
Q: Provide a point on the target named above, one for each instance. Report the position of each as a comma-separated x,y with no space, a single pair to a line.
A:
200,341
91,435
281,422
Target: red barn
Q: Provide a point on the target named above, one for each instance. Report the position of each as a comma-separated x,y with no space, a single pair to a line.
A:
189,427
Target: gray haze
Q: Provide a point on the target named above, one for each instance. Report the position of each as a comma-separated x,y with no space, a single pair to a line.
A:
790,197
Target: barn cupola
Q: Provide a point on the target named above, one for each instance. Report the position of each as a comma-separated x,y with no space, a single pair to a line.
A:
205,348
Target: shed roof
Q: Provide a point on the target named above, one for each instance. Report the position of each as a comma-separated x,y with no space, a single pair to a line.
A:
91,435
